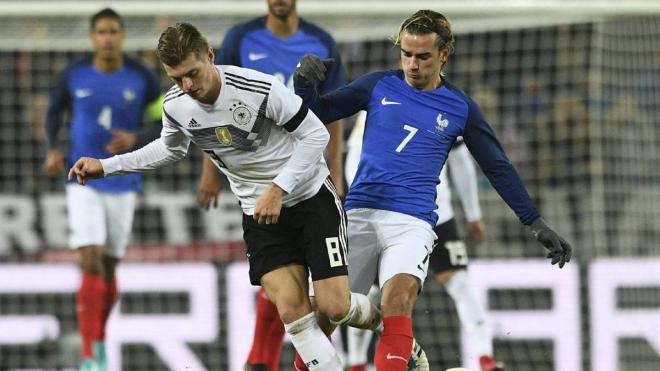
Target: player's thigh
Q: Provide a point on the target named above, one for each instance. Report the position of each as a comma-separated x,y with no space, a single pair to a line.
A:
286,286
407,244
449,252
363,249
270,246
119,209
86,216
322,222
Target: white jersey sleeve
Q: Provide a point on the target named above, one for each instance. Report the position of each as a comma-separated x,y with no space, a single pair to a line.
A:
287,110
170,147
464,178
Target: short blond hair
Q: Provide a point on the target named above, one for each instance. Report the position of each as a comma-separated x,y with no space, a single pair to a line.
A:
178,42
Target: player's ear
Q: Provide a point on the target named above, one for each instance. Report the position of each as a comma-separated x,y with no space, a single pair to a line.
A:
444,54
211,55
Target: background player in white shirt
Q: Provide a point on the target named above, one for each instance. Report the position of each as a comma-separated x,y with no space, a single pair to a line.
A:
449,258
270,147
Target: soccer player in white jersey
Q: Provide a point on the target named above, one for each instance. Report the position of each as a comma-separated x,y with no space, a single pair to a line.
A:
449,258
270,147
414,116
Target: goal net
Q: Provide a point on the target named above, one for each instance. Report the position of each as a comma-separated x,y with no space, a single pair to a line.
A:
571,89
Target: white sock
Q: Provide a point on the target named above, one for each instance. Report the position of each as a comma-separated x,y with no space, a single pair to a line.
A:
313,346
471,312
358,345
361,314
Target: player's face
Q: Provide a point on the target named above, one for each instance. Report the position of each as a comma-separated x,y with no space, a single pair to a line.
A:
281,8
107,37
197,77
421,60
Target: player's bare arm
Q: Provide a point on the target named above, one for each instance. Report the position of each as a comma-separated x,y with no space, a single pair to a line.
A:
54,163
122,141
335,155
210,185
268,206
86,168
476,231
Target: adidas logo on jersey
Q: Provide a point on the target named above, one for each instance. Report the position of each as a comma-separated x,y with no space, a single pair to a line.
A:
193,123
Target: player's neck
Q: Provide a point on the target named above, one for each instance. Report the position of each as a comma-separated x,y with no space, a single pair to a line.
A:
282,27
214,92
108,65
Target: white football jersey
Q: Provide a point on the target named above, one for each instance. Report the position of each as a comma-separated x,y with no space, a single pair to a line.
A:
257,132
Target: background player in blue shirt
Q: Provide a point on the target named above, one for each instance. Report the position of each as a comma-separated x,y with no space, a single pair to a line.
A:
274,44
414,116
107,95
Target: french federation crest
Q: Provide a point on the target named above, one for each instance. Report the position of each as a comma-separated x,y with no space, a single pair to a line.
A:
223,135
442,123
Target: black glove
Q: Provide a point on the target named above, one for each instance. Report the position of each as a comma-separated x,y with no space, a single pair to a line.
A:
311,70
560,250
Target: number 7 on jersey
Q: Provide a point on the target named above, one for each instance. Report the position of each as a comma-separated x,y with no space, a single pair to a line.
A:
411,133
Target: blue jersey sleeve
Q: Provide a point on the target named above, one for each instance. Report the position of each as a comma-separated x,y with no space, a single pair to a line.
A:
59,101
487,151
342,102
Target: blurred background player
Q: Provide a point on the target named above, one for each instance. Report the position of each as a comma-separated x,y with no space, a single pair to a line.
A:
108,95
449,258
414,116
274,44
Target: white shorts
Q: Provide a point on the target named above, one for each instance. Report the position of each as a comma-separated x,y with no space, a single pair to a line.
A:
100,218
382,244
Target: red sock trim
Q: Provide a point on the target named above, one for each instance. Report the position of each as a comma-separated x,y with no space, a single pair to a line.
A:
395,346
299,364
112,293
397,325
268,334
89,308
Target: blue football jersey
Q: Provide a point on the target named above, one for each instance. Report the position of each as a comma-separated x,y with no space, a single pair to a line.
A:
408,135
101,102
252,45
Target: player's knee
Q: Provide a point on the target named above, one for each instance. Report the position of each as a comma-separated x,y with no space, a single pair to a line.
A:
336,310
91,260
292,307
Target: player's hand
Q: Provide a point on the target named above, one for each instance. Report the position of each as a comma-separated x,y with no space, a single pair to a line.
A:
268,206
210,185
311,70
560,250
54,163
122,141
476,232
86,168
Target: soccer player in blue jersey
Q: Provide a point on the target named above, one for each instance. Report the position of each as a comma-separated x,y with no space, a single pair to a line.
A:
274,44
414,116
108,95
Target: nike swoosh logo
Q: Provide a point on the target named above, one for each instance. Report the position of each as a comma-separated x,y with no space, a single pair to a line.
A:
257,56
386,102
390,356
